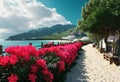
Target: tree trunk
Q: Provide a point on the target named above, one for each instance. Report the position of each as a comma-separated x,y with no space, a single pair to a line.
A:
118,46
106,42
113,50
117,49
101,46
98,44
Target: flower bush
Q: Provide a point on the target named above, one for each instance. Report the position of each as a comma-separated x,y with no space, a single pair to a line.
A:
26,63
50,44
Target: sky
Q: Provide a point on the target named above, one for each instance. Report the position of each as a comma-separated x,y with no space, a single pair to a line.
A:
18,16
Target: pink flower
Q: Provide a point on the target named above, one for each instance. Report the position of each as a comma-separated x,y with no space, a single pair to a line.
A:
41,63
13,78
34,68
4,60
32,77
13,59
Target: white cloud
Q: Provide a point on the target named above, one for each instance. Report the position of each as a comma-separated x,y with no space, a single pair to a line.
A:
18,16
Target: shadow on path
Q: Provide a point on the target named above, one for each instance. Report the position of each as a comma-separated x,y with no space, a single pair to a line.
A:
78,72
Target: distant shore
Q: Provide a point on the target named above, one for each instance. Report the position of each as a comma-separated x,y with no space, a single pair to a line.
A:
30,39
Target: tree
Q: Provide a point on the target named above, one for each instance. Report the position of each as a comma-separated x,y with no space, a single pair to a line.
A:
101,17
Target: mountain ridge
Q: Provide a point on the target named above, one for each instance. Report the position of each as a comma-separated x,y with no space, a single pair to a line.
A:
42,33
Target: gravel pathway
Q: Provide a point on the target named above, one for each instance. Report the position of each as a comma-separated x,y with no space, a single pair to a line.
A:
91,67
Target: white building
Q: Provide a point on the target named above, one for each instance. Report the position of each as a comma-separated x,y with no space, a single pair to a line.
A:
70,37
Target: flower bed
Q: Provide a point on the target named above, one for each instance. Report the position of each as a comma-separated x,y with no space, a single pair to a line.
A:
26,63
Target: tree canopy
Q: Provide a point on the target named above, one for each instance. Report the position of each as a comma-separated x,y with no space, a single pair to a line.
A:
101,17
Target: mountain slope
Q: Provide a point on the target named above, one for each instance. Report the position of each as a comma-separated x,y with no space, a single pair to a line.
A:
58,35
54,32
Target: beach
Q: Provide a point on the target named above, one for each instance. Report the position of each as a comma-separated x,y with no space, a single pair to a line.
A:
92,67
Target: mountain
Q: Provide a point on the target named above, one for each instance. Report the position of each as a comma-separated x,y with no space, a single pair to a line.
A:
54,32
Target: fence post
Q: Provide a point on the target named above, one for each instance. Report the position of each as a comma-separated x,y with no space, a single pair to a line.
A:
30,43
0,49
53,43
41,44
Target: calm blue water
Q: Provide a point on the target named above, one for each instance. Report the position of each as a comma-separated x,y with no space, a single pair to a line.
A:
36,43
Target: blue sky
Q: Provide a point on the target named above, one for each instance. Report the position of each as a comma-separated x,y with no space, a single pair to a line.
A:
70,9
18,16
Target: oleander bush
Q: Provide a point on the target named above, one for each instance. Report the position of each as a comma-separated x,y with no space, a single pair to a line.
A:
26,63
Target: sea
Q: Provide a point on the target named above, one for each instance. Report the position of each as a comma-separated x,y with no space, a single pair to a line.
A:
36,43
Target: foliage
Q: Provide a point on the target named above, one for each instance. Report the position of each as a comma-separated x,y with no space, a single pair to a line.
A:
26,63
94,37
100,17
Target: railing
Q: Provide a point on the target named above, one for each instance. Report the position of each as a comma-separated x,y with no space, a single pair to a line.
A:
1,49
37,46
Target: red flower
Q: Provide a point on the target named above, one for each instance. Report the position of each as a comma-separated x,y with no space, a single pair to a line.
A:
10,50
4,60
61,66
32,50
41,63
42,51
32,77
13,59
26,55
13,78
34,68
48,76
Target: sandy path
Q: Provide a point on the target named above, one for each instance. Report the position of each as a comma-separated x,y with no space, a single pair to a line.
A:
91,67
